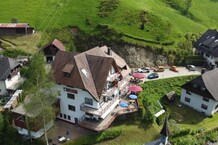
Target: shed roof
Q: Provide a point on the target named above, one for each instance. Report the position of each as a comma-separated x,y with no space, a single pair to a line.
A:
14,25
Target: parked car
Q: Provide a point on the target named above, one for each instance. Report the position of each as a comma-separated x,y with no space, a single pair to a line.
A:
143,70
159,69
174,68
153,76
191,67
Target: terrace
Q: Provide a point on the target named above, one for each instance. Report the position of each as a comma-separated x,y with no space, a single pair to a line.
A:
106,122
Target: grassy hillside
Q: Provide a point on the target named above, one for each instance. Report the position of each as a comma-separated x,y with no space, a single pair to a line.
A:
164,24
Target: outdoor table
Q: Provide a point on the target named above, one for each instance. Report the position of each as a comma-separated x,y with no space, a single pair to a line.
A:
62,139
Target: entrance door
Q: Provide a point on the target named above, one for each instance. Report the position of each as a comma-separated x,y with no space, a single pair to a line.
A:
76,121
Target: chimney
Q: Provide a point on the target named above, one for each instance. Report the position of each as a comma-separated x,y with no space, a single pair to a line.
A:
109,51
203,70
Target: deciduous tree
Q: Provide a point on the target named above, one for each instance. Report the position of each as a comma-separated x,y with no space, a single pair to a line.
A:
40,92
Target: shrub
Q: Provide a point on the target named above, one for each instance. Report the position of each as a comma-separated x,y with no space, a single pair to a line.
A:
109,134
93,139
213,137
181,133
14,53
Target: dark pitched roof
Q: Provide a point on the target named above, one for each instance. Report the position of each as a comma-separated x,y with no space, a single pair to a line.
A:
90,69
56,43
6,65
208,43
209,81
165,130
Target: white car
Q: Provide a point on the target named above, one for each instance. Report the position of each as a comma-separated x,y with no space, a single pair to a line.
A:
191,67
143,70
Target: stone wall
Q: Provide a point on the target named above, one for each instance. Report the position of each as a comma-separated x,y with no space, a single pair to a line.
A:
137,56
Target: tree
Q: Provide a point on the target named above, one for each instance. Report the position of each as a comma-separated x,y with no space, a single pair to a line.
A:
40,93
188,4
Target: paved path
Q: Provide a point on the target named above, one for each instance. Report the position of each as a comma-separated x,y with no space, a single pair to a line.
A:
60,128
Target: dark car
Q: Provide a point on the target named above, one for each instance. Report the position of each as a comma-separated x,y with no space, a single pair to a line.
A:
191,67
153,76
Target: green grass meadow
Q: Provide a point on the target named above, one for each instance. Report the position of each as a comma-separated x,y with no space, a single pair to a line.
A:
163,21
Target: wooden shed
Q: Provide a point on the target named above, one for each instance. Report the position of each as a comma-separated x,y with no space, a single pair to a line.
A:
15,28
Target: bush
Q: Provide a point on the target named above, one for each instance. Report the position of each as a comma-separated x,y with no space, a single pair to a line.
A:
14,53
181,133
213,137
93,139
109,134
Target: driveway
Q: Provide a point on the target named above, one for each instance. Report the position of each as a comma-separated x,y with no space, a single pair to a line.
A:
169,74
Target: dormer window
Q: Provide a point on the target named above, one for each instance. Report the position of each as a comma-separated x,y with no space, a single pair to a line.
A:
68,69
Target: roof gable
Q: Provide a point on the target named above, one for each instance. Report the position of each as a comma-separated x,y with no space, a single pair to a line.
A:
208,42
99,67
58,44
209,81
6,65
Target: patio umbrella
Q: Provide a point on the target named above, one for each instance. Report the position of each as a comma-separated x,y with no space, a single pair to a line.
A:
138,75
123,104
135,88
132,96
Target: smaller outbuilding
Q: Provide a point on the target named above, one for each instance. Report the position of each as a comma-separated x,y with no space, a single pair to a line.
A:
15,28
51,49
171,96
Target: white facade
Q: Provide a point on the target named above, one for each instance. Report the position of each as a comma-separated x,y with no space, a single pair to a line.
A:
12,81
211,59
199,103
79,97
36,134
3,90
9,84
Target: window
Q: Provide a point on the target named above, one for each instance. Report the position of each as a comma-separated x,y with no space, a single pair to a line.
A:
59,93
195,86
72,108
203,106
187,99
88,101
202,88
61,115
69,118
70,96
67,74
65,116
187,92
0,90
207,55
206,99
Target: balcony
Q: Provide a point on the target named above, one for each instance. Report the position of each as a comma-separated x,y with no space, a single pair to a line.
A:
110,91
102,125
101,110
113,77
